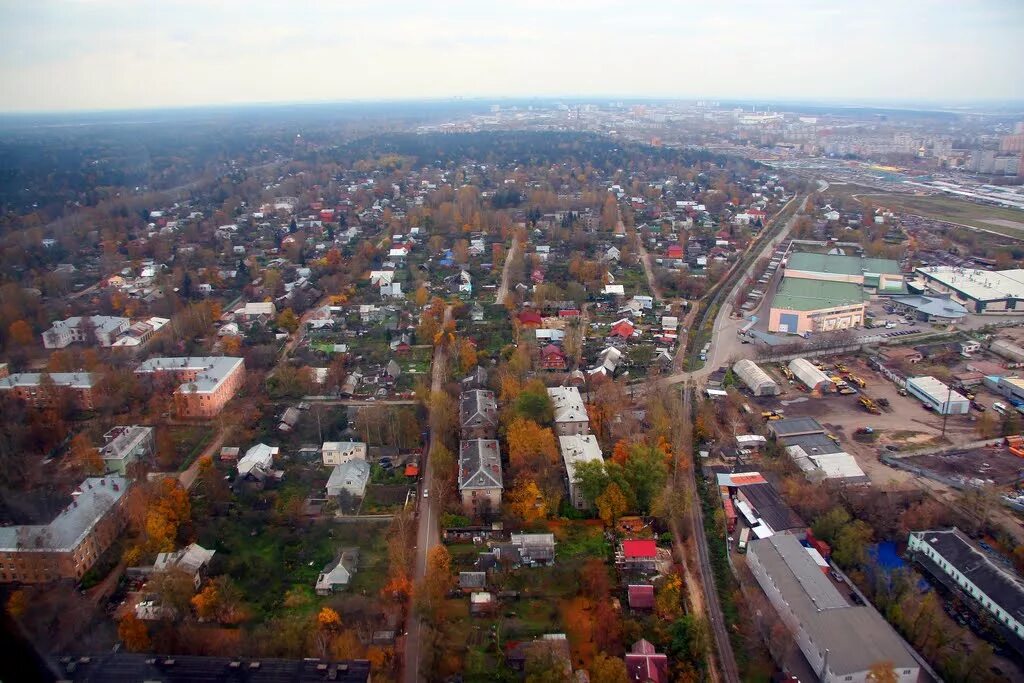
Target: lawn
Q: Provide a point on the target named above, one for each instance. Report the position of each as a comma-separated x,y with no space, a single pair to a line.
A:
189,442
267,558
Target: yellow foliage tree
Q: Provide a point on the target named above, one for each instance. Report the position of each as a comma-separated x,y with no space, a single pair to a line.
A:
327,618
611,504
206,602
133,633
525,501
531,448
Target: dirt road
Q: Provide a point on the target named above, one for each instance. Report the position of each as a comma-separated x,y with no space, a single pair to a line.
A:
502,292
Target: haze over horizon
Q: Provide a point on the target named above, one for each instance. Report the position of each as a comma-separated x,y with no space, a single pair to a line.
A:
69,55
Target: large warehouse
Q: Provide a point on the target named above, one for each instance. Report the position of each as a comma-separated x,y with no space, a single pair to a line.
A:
805,305
880,274
841,641
938,395
980,291
756,379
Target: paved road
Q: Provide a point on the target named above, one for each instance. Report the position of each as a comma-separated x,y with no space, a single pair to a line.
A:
427,534
502,292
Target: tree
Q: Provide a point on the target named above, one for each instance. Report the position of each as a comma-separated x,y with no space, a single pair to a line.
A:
422,296
287,320
646,472
533,403
525,501
668,602
851,544
84,456
607,669
206,602
827,526
611,504
133,633
531,448
20,333
328,618
591,479
232,345
882,672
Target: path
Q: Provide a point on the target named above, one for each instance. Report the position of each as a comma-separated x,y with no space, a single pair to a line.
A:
427,534
645,260
502,292
188,476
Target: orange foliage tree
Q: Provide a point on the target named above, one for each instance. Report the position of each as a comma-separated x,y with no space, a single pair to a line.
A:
531,448
133,633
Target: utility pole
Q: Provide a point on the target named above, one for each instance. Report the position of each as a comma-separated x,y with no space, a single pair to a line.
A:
945,408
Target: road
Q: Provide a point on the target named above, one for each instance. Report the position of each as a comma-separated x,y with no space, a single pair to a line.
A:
502,292
645,261
427,534
188,477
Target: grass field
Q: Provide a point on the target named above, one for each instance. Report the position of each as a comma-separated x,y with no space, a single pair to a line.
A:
1008,222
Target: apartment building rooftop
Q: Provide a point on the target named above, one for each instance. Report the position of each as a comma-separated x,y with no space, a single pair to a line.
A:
210,370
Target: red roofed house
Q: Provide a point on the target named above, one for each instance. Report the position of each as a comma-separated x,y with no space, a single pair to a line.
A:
552,358
645,665
622,328
639,554
674,251
569,313
537,276
530,319
641,596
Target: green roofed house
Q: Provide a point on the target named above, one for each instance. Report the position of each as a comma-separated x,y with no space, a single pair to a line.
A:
880,274
810,305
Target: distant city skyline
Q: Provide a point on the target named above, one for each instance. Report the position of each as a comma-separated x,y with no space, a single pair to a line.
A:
68,55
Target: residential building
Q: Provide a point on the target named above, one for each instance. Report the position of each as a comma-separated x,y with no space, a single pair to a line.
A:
534,548
125,445
979,291
577,448
480,477
101,330
802,306
339,452
478,414
207,382
989,585
32,388
255,310
552,647
259,457
841,641
553,358
193,559
69,545
350,477
640,596
125,667
570,412
338,573
645,664
637,554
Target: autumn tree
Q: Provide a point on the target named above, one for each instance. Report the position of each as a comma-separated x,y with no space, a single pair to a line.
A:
607,669
882,672
287,320
533,403
611,504
85,457
525,502
133,633
20,333
531,448
590,479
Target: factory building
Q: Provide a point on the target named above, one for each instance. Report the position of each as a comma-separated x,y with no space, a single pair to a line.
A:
756,379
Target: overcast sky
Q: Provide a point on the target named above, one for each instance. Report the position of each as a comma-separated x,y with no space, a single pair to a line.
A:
114,54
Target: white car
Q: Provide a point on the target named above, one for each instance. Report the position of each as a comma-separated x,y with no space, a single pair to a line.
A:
426,493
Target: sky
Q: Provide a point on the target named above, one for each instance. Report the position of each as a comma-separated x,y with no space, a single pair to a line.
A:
67,55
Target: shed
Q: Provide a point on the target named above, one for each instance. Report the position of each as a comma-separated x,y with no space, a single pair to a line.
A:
939,396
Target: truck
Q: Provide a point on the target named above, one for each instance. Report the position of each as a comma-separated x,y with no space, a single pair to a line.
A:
999,408
869,405
744,537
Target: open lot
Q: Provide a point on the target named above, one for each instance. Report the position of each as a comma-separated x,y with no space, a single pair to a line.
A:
1000,220
995,465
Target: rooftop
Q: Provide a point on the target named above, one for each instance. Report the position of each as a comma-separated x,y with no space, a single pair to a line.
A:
479,464
801,294
75,380
210,370
124,667
771,508
90,502
578,448
999,584
856,636
478,408
568,404
937,307
793,426
838,264
982,285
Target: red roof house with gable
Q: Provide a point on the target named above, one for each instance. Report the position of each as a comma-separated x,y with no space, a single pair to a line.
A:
641,596
674,251
552,358
530,319
622,328
646,665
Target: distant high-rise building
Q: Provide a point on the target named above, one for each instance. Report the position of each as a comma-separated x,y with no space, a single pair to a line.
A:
1012,143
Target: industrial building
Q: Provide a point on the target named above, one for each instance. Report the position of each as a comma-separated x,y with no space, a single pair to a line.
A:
883,275
980,291
756,379
1008,350
802,306
988,586
840,641
811,377
932,309
815,452
1010,387
938,395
